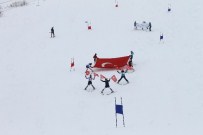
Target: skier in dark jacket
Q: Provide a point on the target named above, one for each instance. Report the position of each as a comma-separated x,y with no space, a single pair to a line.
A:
95,57
52,32
150,26
130,63
135,24
90,82
106,85
89,66
169,8
122,76
161,37
131,55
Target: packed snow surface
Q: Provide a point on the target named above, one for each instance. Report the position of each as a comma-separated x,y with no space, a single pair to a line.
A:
40,96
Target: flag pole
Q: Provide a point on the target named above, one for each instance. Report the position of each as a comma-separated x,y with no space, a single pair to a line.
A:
115,112
123,114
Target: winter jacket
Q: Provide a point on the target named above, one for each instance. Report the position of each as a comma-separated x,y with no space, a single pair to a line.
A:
89,79
106,83
131,55
122,73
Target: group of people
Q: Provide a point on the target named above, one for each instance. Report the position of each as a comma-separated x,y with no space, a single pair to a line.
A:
122,72
90,77
149,26
105,80
144,25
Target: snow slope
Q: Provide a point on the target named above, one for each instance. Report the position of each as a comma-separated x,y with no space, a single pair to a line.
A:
40,96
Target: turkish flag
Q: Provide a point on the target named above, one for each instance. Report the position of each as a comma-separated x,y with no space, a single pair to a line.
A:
102,77
114,78
111,62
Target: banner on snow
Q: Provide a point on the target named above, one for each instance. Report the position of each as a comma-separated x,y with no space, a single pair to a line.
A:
111,62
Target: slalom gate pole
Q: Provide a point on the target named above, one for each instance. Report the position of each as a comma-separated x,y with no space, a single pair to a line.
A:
123,114
115,112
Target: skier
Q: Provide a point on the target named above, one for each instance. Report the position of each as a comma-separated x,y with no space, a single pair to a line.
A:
130,63
169,8
89,66
52,32
116,3
150,26
161,37
131,55
122,75
135,24
106,85
95,57
89,82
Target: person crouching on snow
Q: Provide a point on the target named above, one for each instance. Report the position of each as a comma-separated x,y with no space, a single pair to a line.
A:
122,76
89,82
106,85
89,66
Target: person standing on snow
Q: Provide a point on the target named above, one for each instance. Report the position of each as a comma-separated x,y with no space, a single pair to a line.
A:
95,57
161,37
122,76
89,82
130,63
150,26
52,32
131,55
106,85
169,8
135,24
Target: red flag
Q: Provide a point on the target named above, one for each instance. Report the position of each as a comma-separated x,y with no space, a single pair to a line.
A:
114,78
102,77
95,74
87,72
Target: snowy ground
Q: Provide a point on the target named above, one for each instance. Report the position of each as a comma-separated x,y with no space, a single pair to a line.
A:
40,96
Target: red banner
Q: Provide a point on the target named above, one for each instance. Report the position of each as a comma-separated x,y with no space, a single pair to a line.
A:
111,62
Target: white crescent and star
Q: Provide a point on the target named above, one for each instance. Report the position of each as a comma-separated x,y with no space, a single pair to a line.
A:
106,63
